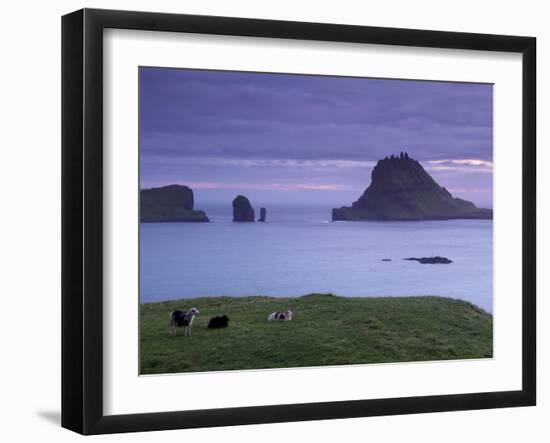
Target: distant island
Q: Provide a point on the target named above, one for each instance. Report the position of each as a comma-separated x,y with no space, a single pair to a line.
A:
172,203
401,190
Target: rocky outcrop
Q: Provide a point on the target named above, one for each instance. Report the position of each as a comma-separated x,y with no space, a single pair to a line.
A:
242,210
263,214
402,190
173,203
431,260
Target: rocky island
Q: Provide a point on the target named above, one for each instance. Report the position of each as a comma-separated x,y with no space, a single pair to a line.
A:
172,203
263,215
430,260
401,190
242,209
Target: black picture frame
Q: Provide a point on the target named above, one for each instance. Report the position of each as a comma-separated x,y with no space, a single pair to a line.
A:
82,218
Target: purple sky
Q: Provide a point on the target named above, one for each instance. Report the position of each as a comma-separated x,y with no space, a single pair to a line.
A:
296,138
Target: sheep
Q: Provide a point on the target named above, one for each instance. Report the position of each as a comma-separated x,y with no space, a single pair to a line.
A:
280,316
219,321
182,319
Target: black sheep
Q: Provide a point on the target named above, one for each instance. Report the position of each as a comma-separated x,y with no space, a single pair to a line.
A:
219,321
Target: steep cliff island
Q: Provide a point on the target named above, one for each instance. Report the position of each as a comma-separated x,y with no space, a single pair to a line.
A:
401,190
173,203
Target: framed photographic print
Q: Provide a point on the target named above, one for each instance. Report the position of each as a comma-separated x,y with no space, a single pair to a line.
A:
268,221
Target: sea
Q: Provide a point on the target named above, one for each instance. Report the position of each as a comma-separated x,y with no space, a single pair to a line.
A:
300,251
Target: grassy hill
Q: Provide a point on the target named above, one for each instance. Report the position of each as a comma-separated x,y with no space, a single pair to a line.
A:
326,330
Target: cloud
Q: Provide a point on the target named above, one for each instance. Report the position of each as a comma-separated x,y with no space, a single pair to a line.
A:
269,186
466,161
471,190
270,163
468,165
250,115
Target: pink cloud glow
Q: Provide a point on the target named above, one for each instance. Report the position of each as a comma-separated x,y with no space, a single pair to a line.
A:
268,186
463,162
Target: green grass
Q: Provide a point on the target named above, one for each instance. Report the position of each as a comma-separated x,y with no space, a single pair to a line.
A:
325,330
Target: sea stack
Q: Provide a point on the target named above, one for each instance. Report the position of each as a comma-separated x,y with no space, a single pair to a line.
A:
402,190
172,203
263,214
242,210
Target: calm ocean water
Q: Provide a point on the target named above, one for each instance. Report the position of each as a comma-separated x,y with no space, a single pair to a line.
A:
299,251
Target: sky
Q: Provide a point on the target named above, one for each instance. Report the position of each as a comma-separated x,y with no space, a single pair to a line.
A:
302,138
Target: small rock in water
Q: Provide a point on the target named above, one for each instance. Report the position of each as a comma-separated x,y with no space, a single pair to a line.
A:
263,213
431,260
